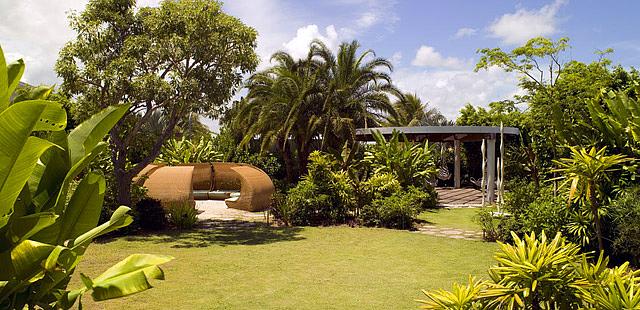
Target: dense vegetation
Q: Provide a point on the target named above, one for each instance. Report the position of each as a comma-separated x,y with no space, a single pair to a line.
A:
137,80
51,202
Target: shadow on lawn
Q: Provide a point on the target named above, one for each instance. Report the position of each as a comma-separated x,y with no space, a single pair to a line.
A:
223,233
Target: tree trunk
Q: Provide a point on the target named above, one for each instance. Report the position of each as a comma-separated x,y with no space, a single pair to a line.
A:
596,216
123,183
288,163
303,159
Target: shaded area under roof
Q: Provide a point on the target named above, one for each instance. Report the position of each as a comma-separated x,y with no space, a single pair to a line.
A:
438,133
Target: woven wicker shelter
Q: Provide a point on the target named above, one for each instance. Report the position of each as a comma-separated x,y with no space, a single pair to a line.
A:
256,190
242,186
170,184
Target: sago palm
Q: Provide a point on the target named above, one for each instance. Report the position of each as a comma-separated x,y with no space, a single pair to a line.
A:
585,171
279,109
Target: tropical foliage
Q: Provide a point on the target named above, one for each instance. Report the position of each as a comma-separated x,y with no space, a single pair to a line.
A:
542,273
411,163
585,171
184,151
297,106
410,111
45,225
369,192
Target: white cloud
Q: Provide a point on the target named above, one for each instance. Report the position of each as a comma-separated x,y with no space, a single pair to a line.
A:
465,32
396,58
367,19
518,27
450,90
36,30
427,56
298,47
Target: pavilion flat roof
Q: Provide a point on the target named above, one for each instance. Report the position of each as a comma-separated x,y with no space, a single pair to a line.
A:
439,133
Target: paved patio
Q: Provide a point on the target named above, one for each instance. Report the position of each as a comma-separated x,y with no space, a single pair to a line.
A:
459,197
218,210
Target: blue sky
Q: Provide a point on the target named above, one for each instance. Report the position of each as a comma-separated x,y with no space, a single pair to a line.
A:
432,43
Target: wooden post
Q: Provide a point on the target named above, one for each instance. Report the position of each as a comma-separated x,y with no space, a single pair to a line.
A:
501,185
483,183
491,169
456,167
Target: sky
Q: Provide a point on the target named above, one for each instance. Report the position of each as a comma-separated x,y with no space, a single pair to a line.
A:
432,44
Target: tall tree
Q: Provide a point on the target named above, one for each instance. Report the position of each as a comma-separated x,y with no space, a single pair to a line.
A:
410,111
185,56
356,89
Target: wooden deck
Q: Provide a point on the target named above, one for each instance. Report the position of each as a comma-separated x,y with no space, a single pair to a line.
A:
459,197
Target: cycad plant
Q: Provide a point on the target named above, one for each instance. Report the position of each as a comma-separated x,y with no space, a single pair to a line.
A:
585,172
45,226
541,273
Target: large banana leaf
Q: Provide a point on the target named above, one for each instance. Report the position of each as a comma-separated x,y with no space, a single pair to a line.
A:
14,72
39,92
4,82
74,172
127,277
83,212
26,259
87,135
19,151
118,219
26,226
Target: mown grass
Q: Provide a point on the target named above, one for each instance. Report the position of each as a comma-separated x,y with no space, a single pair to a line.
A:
461,218
292,268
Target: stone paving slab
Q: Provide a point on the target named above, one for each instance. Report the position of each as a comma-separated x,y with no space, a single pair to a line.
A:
448,232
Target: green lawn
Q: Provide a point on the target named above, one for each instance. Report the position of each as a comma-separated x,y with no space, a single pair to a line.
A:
461,218
292,268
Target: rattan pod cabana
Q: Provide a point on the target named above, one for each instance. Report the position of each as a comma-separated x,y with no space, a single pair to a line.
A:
170,184
242,186
256,189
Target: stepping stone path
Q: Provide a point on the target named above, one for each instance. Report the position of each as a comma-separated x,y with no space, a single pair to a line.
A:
447,232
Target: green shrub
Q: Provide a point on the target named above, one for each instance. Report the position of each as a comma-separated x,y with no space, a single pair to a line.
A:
527,210
546,213
424,197
624,215
149,215
312,206
396,211
281,210
323,197
182,215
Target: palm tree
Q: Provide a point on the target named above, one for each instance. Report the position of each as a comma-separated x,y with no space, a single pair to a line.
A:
280,110
355,90
410,111
586,170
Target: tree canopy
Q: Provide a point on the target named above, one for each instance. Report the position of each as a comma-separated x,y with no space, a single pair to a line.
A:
183,57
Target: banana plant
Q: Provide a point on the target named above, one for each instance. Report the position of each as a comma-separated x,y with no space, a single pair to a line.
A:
617,117
44,227
412,163
183,151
